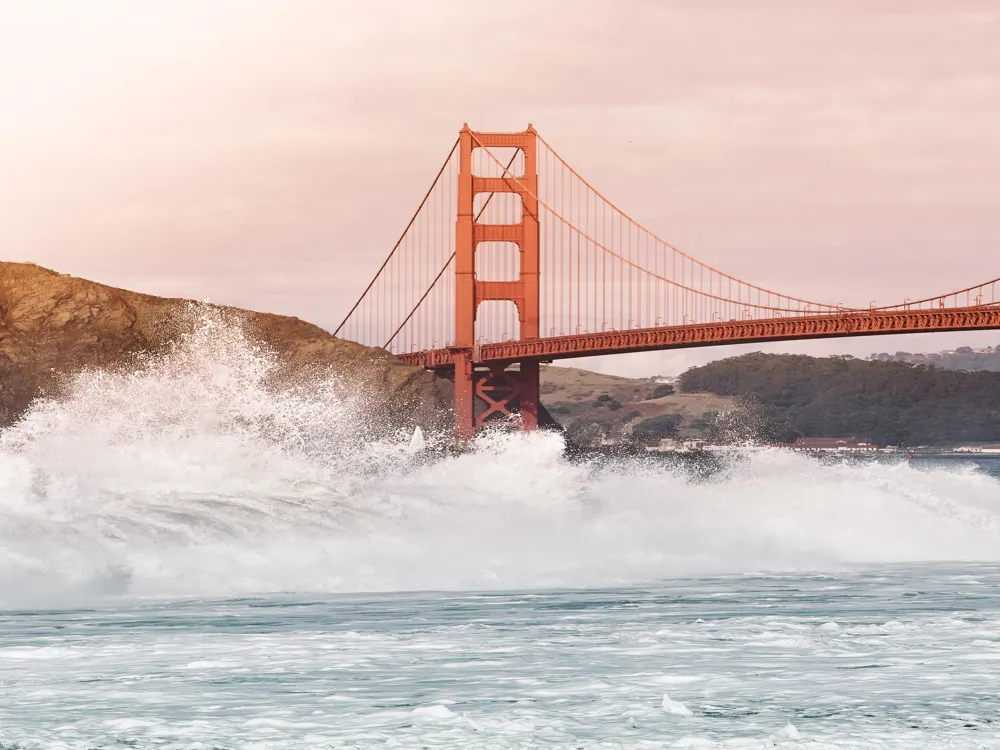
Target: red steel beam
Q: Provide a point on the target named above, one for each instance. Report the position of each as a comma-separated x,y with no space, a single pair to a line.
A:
719,334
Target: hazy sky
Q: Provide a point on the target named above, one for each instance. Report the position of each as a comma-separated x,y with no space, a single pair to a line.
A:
267,154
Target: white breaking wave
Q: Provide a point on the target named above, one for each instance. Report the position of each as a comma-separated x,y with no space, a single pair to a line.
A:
191,476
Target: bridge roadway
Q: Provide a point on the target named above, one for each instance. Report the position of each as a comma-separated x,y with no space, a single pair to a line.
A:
848,323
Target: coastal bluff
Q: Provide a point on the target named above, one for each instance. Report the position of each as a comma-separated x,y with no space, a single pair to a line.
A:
53,325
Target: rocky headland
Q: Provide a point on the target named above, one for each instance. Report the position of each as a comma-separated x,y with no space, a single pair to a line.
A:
53,325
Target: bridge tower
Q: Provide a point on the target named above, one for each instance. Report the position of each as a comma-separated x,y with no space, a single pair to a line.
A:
505,388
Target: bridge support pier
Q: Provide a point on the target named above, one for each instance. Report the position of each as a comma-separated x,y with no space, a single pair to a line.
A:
530,385
465,398
495,394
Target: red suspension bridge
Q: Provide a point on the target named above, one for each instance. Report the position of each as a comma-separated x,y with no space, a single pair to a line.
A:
513,259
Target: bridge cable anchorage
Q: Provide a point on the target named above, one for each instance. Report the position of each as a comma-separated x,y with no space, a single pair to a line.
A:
402,236
632,264
446,264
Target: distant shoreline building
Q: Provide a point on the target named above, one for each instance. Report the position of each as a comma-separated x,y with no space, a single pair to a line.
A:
830,444
675,445
993,449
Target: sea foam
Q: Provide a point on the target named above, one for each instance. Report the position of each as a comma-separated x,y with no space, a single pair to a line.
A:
191,475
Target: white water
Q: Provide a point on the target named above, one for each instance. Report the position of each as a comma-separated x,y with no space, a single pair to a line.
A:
897,660
191,477
145,505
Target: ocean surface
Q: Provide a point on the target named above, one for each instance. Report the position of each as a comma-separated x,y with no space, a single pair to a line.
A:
191,560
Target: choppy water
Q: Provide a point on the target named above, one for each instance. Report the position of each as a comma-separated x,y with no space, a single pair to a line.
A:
184,556
902,658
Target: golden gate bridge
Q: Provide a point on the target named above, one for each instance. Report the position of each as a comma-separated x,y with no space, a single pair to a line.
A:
513,259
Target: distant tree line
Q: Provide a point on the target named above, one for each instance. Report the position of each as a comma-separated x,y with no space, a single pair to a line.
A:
889,402
962,358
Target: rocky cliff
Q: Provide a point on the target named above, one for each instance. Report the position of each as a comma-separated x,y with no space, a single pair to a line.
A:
52,325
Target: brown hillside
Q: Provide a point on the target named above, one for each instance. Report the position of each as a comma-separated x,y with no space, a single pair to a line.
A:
51,324
572,394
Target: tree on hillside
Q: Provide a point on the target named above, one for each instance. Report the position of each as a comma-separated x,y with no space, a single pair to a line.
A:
752,421
662,390
657,428
586,432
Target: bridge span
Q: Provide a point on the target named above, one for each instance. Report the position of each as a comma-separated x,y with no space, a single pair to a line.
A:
512,259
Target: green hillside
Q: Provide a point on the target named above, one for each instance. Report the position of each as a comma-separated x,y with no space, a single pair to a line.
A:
892,403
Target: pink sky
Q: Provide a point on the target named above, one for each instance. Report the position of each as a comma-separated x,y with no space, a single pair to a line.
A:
267,154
